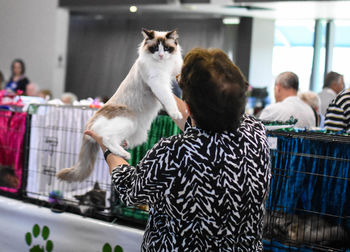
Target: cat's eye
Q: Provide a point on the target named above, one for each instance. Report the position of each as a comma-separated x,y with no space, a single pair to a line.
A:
153,49
168,49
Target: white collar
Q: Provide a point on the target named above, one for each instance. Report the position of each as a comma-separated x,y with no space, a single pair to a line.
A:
292,97
329,90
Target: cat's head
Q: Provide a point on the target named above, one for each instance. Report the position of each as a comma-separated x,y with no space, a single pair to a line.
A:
93,199
160,45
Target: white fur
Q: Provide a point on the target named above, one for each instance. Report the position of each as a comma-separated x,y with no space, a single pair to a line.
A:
144,91
113,132
146,88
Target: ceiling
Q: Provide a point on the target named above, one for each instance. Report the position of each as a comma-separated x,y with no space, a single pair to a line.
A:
215,8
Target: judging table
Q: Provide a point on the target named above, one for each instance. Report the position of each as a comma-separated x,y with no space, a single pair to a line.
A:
310,179
24,226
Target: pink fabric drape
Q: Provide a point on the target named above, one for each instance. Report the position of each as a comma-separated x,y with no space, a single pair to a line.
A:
12,130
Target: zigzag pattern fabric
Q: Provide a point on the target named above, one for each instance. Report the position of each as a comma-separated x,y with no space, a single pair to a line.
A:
338,112
206,191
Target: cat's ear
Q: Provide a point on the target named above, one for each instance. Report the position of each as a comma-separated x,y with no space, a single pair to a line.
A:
97,186
147,34
172,34
78,197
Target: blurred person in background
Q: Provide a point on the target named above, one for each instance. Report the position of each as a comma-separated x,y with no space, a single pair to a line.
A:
288,103
45,94
2,80
18,81
32,89
314,101
68,98
333,85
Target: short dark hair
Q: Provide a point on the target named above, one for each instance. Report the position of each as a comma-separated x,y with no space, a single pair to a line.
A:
214,88
288,80
330,78
21,62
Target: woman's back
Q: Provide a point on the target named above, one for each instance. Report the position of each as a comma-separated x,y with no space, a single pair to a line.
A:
216,190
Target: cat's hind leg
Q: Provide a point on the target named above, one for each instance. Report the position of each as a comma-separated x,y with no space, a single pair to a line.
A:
113,132
114,145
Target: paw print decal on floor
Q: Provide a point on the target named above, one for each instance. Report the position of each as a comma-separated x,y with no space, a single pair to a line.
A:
37,237
108,248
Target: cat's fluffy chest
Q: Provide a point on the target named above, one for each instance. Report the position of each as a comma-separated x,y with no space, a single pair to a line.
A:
135,93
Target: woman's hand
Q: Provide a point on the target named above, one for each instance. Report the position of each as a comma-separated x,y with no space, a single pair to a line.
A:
112,160
181,105
97,138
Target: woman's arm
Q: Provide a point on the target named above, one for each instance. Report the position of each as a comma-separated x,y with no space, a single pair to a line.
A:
112,160
134,183
183,109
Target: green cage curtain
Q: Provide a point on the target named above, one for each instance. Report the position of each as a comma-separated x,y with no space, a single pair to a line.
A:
162,126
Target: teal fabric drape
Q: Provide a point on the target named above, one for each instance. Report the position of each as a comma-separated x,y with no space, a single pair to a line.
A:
276,246
310,174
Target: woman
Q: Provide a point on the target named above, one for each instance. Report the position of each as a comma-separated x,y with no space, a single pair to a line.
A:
206,188
17,81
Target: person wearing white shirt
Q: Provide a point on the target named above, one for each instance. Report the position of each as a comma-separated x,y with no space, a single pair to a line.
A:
333,85
314,101
288,103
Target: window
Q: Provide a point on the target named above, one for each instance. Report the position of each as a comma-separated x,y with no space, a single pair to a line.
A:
293,49
341,50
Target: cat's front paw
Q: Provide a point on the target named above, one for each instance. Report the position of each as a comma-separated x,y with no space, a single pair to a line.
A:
176,115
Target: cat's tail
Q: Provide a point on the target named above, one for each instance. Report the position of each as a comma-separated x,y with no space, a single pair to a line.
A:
85,165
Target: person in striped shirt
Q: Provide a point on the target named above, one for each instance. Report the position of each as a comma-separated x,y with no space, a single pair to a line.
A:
338,112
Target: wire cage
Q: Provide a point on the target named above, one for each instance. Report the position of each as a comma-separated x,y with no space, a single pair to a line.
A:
308,206
54,137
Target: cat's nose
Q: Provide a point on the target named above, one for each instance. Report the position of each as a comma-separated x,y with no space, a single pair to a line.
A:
161,56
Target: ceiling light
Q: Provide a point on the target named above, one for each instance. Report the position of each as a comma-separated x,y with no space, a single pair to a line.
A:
98,17
133,8
230,21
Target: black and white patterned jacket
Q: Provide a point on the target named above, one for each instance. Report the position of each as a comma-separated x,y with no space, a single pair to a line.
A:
206,191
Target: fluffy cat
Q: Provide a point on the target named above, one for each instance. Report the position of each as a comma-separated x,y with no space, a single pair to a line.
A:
303,229
94,199
128,114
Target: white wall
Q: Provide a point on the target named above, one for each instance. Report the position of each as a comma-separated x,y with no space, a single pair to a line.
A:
260,73
35,31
